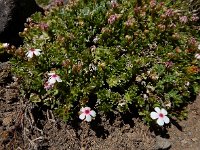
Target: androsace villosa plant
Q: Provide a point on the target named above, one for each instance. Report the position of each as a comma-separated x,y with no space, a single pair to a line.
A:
111,56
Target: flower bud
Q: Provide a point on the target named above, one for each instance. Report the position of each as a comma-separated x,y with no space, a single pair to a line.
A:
102,65
176,36
114,4
192,69
66,63
163,16
105,30
146,31
5,45
29,20
20,52
161,27
128,37
59,2
153,3
137,10
178,50
138,79
25,30
21,34
170,55
26,25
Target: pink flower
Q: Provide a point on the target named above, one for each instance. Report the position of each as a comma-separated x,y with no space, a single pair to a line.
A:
43,26
194,18
153,3
192,41
130,22
48,86
197,56
33,52
137,10
53,78
183,19
87,114
59,2
169,64
160,115
112,19
169,12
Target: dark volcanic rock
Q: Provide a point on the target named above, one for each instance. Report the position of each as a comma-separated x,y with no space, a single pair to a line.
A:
13,14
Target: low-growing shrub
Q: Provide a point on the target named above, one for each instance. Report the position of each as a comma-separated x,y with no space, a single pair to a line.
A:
111,56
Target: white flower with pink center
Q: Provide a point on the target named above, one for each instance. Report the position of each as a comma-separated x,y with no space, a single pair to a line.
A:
53,78
87,114
199,47
160,115
197,56
33,52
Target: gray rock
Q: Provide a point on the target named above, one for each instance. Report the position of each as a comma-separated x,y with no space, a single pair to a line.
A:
13,14
162,143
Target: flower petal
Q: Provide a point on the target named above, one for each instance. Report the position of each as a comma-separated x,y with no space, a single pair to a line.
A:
58,79
87,108
38,50
157,109
82,109
88,118
166,119
52,80
154,115
82,116
29,54
93,113
37,53
160,122
197,56
51,73
163,111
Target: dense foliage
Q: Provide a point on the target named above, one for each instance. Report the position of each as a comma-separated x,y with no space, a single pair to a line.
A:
111,55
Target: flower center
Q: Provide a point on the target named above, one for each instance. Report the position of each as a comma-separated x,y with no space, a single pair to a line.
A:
161,115
87,111
54,76
32,49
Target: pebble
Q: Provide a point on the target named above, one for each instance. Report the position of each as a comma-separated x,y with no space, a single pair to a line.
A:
194,139
7,121
184,142
162,143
